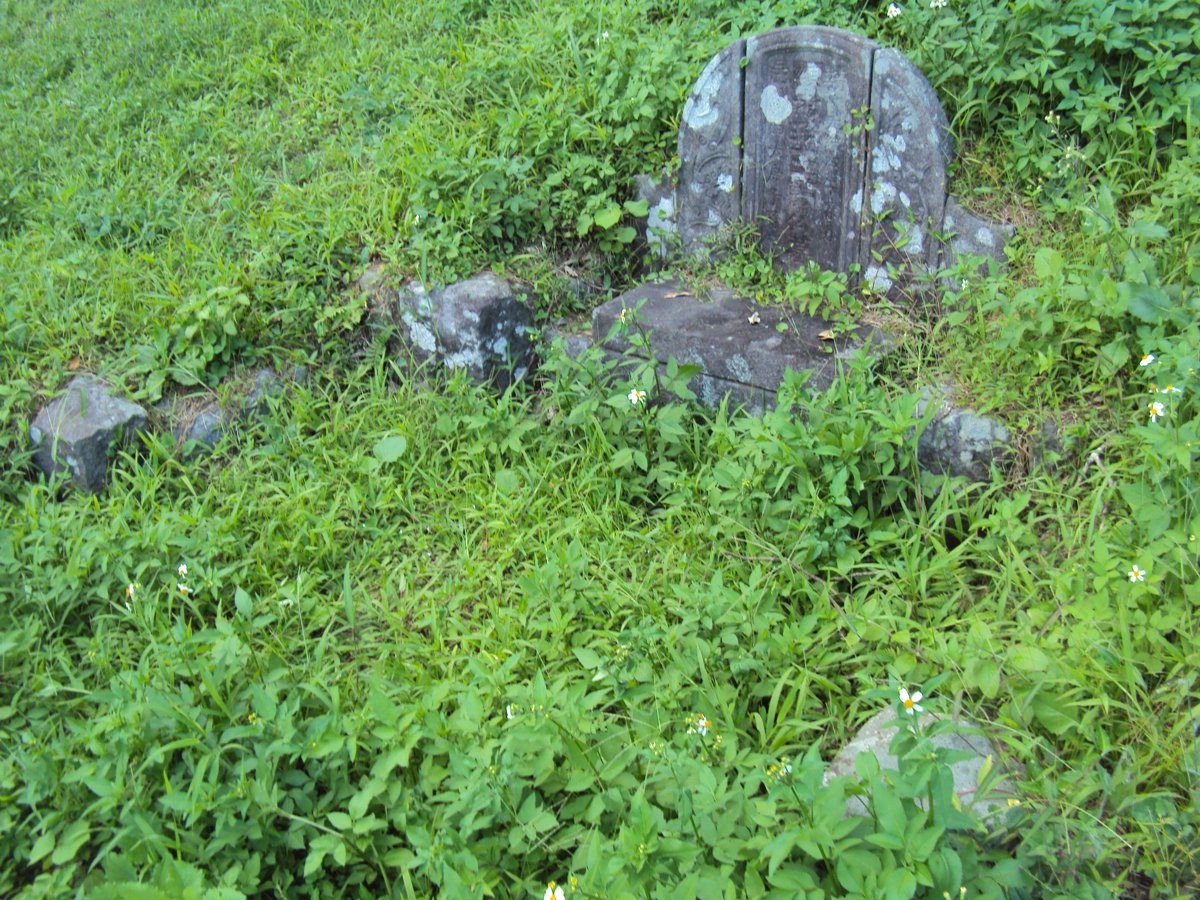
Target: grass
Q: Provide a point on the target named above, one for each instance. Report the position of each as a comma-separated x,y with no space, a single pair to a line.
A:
471,661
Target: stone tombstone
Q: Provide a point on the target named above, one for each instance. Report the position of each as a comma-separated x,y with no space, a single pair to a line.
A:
833,148
802,156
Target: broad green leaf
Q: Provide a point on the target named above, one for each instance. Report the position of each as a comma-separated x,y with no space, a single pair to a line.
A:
901,884
608,217
1148,303
42,846
507,481
1028,658
70,841
390,448
1047,263
888,809
588,658
243,602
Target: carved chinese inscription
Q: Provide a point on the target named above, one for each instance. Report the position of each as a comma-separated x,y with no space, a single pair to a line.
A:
802,164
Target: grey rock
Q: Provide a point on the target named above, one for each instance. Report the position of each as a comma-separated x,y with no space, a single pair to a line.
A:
77,432
478,325
776,134
735,342
876,737
1051,445
959,441
266,385
969,236
574,344
206,427
199,421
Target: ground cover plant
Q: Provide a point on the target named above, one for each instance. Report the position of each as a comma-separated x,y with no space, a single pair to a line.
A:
407,637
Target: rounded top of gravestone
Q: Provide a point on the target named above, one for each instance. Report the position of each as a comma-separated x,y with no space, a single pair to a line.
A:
833,148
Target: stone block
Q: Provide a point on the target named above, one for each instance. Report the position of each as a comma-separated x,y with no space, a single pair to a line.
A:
204,426
970,236
660,233
201,420
741,352
77,432
479,325
876,737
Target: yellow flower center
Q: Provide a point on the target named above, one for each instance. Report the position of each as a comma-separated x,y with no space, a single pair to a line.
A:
908,703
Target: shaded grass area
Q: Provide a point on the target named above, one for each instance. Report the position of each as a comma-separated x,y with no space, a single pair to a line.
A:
470,665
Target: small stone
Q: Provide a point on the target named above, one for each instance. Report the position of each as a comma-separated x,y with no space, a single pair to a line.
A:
478,325
660,231
265,386
573,345
959,441
1051,445
206,428
972,237
78,431
876,737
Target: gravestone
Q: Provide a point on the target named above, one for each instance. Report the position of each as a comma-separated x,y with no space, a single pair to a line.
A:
833,148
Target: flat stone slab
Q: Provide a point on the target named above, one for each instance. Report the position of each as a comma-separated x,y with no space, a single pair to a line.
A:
77,432
834,148
736,343
876,737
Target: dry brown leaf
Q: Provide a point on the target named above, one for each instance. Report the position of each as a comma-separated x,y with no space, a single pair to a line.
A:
74,364
826,335
672,294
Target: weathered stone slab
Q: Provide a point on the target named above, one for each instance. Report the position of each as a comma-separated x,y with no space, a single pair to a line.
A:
735,342
905,191
959,441
876,737
710,158
803,159
479,325
76,432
